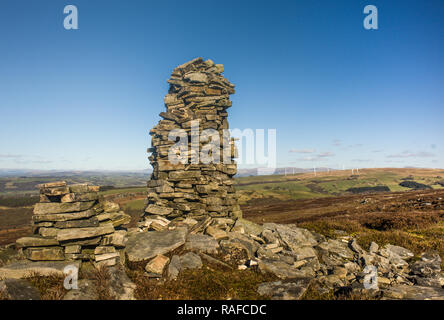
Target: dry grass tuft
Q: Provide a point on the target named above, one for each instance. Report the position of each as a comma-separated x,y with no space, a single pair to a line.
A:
314,293
207,283
3,295
399,220
50,287
101,278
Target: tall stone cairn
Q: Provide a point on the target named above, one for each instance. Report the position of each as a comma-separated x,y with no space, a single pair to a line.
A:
198,92
75,223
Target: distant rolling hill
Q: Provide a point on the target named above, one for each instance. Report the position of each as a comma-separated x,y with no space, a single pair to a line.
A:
333,183
23,182
293,183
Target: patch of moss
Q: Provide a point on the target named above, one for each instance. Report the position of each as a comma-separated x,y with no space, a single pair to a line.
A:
202,284
50,287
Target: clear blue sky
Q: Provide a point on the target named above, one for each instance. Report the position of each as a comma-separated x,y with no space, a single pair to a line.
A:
336,93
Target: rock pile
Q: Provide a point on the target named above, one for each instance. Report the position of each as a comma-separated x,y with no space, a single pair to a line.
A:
298,257
193,179
74,223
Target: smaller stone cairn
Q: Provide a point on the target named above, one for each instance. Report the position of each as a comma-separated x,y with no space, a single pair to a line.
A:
74,223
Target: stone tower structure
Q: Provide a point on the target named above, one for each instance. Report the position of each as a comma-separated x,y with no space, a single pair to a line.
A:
191,151
74,223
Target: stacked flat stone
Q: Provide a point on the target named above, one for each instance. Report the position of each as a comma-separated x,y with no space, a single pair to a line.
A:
75,223
198,92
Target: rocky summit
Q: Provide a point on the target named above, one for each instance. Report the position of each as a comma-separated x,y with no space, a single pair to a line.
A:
73,223
183,184
299,258
192,222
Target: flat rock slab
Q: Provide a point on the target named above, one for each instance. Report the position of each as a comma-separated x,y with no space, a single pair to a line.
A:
304,253
157,265
337,247
189,260
153,209
146,245
82,233
278,290
84,223
240,241
280,269
174,267
292,236
18,289
249,227
117,239
36,242
407,292
64,216
201,243
403,253
45,254
54,207
22,269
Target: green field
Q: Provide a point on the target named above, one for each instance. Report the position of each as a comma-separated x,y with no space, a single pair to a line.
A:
290,187
306,186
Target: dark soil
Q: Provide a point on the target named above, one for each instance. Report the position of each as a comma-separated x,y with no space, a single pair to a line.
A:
369,189
414,185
